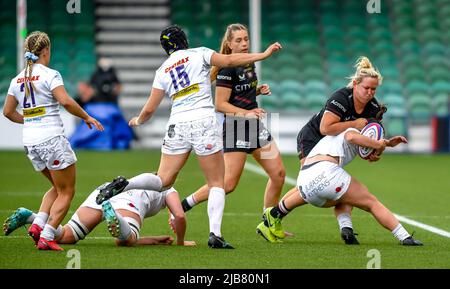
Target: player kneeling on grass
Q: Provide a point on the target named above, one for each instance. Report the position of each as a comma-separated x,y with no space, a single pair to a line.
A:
323,182
123,214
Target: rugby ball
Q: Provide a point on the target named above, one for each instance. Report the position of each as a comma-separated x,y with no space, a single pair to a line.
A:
373,130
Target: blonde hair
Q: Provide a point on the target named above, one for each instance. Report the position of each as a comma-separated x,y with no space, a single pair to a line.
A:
224,48
364,68
34,43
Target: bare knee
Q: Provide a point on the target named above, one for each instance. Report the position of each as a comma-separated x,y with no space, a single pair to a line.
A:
278,176
230,187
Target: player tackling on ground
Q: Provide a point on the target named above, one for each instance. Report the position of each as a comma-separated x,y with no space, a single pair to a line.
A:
324,183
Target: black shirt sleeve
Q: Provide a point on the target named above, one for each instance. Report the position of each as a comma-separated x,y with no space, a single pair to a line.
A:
225,77
338,103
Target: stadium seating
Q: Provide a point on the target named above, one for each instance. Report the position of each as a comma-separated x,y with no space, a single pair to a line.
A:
408,43
72,37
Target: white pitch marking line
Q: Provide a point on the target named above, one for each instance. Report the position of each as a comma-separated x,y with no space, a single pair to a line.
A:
253,168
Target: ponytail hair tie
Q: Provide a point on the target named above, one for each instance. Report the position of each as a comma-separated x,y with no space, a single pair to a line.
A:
31,56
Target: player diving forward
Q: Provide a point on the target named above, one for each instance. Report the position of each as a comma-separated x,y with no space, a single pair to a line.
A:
123,214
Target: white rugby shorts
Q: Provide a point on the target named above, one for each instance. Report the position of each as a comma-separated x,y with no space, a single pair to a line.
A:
54,154
202,135
132,200
321,182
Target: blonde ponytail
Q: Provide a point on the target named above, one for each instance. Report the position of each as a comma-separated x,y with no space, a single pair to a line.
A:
34,43
364,68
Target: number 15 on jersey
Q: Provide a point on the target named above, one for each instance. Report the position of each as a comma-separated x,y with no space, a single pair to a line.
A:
181,78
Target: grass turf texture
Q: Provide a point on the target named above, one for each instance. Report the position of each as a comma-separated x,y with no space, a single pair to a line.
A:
414,186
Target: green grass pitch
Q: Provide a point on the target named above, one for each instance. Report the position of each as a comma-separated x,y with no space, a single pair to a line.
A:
414,186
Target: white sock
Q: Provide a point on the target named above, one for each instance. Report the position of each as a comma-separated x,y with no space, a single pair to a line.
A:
344,220
31,218
58,232
48,233
216,204
145,181
125,230
41,219
400,233
191,200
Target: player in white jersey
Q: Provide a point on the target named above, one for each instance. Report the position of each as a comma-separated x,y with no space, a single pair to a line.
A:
124,215
185,78
39,91
323,182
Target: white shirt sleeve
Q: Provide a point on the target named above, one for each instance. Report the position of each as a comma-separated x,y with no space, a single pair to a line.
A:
157,82
207,54
10,89
55,81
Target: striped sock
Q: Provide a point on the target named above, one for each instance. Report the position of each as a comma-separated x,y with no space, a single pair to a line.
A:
279,211
188,203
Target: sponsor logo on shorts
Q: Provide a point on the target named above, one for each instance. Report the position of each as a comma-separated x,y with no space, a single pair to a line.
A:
318,184
56,162
338,189
264,135
171,131
209,146
240,144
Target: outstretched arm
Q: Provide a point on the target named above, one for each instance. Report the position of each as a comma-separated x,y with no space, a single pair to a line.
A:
331,124
396,140
239,59
74,108
155,240
155,98
174,204
362,140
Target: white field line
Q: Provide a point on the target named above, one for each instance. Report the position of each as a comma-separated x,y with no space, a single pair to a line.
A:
256,169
